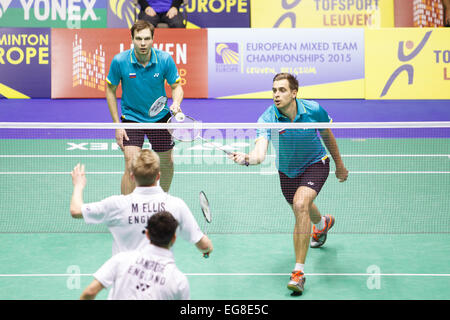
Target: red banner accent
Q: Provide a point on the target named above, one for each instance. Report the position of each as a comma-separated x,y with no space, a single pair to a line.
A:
81,59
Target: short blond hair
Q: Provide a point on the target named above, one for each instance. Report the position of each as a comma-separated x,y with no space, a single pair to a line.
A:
145,167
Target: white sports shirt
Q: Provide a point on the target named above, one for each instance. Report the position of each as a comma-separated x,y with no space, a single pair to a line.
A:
146,274
126,216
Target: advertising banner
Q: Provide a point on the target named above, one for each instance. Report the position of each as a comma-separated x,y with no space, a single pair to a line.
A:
322,13
408,63
418,13
199,13
329,63
218,14
81,59
122,13
189,49
25,63
73,14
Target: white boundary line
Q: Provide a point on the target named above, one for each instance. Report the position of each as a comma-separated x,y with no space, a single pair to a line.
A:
246,275
214,155
218,125
219,172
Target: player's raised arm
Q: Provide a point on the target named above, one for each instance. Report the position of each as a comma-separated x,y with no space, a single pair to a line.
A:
79,182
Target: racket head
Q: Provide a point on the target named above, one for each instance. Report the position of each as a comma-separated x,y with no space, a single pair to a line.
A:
184,134
157,106
204,205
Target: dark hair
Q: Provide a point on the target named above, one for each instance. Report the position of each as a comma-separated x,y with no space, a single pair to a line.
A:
161,227
293,82
141,25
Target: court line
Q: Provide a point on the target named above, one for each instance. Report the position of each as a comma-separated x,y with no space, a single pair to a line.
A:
213,155
18,275
262,172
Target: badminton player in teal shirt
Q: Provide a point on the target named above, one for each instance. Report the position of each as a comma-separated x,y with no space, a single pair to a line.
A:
143,71
303,165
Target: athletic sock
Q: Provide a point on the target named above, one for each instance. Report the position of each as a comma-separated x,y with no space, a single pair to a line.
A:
319,226
299,267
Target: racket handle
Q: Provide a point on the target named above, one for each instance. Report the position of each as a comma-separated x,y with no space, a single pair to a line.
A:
246,163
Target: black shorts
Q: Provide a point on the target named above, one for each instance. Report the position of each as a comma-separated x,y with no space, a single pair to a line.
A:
160,139
314,177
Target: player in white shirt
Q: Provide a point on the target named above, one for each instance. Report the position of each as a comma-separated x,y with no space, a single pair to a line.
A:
126,215
149,273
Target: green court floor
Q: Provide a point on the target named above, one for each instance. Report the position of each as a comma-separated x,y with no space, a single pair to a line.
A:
391,239
59,266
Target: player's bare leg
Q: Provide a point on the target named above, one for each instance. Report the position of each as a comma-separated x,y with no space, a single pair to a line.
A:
314,214
302,204
166,167
303,200
127,185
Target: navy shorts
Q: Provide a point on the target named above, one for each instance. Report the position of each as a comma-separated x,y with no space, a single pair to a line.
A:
160,139
314,177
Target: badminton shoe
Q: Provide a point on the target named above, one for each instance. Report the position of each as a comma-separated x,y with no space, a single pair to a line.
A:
320,236
297,282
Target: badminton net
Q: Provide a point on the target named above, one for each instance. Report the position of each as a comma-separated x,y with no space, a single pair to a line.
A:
398,179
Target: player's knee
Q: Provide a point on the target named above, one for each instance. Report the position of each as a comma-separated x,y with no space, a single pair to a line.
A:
301,207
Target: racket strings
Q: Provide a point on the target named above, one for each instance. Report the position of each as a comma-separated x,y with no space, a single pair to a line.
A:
185,134
157,106
204,204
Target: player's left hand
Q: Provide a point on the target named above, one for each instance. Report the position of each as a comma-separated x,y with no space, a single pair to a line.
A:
341,173
79,175
175,108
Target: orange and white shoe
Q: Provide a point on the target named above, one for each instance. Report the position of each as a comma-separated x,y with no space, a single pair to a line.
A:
297,282
320,236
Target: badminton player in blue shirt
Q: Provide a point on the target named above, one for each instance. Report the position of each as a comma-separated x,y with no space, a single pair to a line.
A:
302,163
143,71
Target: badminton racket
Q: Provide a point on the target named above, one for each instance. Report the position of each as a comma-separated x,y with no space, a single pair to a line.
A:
159,105
204,205
191,134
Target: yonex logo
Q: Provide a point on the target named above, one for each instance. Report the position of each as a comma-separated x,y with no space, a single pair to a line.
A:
52,9
408,68
4,4
156,75
310,183
142,287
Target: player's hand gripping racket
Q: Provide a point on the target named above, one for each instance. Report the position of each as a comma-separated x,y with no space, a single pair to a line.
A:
204,205
191,134
159,105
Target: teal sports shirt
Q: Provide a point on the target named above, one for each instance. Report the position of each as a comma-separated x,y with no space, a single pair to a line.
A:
296,149
141,86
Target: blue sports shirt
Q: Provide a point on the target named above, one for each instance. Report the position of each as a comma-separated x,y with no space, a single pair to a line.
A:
141,86
296,149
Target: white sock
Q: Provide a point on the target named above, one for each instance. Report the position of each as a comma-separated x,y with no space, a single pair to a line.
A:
319,226
299,267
